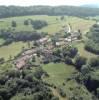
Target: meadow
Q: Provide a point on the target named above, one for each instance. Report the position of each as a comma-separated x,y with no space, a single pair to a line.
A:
53,27
12,50
58,74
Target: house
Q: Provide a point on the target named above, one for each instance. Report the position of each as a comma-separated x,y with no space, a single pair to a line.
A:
60,43
67,39
29,52
74,36
43,40
21,62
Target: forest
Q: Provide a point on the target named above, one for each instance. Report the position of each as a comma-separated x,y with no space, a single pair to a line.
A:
10,11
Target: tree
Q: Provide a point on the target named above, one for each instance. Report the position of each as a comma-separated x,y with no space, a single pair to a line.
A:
68,60
98,92
2,60
33,59
80,34
29,44
62,18
14,24
85,69
94,62
73,52
79,62
39,24
26,22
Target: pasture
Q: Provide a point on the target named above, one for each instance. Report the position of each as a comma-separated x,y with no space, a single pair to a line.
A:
58,75
12,50
54,23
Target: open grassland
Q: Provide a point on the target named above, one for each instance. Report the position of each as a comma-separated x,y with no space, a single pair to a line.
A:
58,72
53,27
11,50
1,41
79,23
83,52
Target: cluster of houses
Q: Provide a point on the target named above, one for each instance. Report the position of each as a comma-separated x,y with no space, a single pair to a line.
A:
45,47
68,40
27,55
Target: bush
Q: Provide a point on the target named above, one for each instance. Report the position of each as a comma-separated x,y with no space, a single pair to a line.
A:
85,69
14,24
94,62
55,98
26,22
68,60
38,24
62,93
79,62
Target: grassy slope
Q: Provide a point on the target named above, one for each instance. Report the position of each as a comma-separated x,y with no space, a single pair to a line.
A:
11,50
77,23
58,73
83,52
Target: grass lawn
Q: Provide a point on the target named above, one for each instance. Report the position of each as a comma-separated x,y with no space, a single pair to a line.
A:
58,72
83,52
1,41
12,49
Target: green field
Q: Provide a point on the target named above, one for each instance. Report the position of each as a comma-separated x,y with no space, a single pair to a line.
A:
1,41
58,73
53,27
83,52
12,49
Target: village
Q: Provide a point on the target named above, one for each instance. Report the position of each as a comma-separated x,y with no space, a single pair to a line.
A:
45,47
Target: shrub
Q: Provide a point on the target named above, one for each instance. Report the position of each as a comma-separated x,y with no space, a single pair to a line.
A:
14,24
79,62
68,60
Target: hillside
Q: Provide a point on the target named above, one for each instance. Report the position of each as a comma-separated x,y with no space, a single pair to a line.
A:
10,11
91,5
44,57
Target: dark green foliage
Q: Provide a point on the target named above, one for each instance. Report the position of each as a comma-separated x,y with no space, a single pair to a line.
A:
61,92
38,73
94,62
14,24
23,85
2,60
70,51
79,62
85,69
33,59
62,18
38,24
26,22
55,98
92,45
68,60
10,36
10,11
